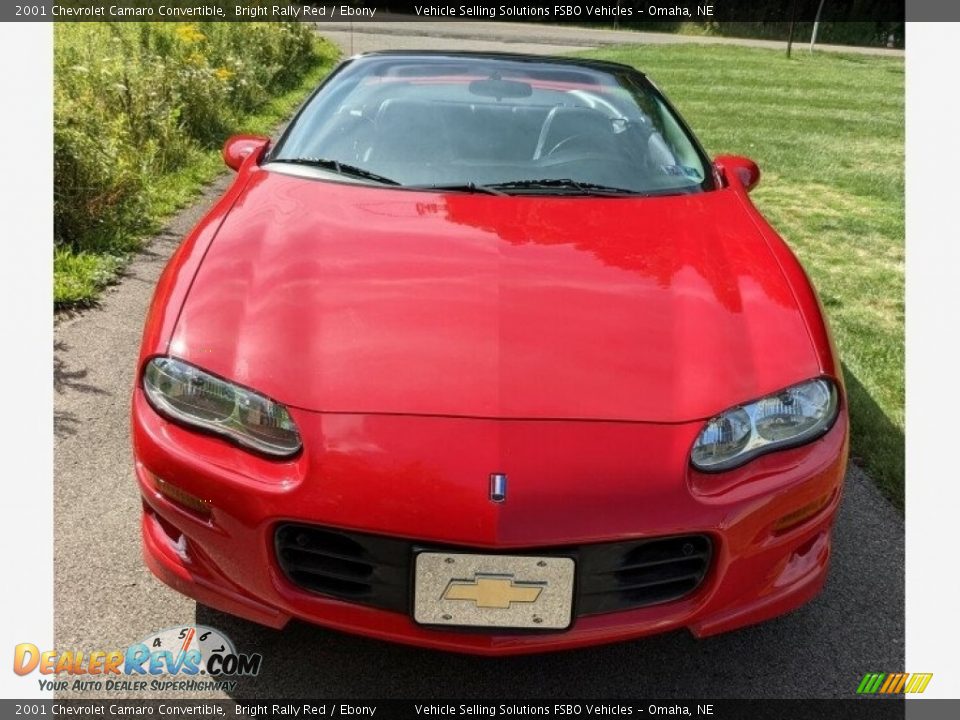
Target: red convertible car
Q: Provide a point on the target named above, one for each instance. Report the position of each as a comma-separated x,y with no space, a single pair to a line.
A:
485,354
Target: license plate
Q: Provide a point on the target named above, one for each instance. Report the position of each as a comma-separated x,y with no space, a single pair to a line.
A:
508,591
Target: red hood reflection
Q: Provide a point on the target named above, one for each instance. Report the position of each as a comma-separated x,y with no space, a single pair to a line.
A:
348,298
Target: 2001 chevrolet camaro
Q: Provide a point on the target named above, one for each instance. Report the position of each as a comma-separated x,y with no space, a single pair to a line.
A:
485,354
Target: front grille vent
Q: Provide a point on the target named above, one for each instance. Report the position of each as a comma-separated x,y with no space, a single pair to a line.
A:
619,576
377,570
367,569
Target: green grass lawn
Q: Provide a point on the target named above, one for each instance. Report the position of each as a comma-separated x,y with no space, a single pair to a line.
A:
827,132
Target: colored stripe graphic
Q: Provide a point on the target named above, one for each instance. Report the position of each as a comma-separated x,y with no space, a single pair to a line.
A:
898,686
890,681
865,683
870,683
893,683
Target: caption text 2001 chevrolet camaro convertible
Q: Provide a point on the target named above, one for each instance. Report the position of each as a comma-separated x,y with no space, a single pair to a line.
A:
485,354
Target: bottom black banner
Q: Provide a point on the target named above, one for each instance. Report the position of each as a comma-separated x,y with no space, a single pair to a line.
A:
853,709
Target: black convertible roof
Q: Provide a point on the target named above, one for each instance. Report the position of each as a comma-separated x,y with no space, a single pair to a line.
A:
507,56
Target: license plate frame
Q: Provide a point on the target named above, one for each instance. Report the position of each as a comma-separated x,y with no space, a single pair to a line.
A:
479,590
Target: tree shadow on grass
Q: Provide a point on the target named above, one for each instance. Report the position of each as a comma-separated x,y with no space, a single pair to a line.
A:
876,442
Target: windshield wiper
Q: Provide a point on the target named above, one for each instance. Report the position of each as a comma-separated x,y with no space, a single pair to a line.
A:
580,187
460,187
339,168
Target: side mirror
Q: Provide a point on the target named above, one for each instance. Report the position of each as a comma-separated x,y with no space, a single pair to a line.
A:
239,147
744,169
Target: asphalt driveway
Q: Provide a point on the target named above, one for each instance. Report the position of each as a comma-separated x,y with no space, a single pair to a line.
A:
105,598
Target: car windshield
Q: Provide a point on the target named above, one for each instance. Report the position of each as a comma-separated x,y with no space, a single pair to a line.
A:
493,124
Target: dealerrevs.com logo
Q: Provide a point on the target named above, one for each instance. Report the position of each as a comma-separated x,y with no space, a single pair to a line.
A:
199,657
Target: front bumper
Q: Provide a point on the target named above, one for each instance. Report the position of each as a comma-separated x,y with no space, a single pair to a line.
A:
426,479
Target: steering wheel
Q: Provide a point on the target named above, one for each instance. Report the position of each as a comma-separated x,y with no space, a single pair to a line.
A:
364,130
578,157
567,142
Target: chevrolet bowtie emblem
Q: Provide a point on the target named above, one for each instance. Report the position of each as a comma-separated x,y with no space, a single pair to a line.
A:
493,591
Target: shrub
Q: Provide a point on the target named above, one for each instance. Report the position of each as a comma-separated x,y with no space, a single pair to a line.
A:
134,102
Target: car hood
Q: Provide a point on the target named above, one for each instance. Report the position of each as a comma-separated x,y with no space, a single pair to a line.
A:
348,298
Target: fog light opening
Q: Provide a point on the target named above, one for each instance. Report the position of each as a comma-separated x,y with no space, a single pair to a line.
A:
182,498
172,536
801,515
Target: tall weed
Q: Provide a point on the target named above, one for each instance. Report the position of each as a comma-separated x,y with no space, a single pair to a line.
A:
134,102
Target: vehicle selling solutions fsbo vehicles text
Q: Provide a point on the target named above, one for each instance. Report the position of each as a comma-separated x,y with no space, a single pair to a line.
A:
559,11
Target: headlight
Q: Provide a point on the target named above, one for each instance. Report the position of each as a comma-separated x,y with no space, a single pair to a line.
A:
788,418
188,394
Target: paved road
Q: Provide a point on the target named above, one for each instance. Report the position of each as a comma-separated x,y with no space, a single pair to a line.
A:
367,37
377,35
105,598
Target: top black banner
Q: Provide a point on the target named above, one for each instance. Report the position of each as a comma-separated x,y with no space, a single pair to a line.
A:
609,12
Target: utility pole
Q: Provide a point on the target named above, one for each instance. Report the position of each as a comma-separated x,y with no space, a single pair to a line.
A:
816,25
793,17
